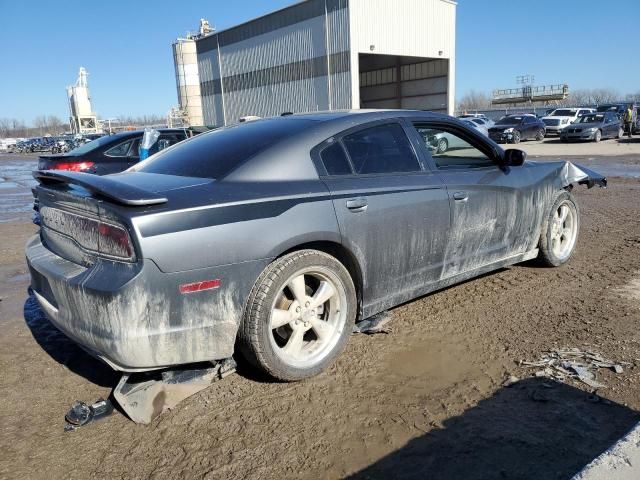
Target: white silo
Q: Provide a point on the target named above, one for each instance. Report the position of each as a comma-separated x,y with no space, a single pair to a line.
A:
185,59
82,118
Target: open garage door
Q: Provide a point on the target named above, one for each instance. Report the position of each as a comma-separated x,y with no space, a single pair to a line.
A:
390,81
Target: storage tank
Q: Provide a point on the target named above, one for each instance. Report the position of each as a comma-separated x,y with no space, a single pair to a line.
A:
82,118
185,60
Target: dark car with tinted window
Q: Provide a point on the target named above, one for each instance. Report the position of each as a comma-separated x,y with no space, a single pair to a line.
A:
109,153
515,128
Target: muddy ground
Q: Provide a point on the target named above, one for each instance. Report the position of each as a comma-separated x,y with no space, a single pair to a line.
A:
424,401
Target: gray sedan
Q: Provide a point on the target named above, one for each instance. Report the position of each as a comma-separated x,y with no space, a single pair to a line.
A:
272,238
593,127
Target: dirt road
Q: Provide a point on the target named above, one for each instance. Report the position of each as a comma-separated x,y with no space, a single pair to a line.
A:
423,401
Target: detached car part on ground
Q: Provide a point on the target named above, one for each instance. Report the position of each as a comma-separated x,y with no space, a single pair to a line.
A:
275,236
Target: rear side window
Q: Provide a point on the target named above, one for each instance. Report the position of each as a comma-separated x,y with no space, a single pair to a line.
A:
120,150
335,161
381,149
218,153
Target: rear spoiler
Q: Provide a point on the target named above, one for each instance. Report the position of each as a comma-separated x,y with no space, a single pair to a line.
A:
107,187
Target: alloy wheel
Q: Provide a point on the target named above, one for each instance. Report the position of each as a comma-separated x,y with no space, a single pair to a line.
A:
308,317
564,230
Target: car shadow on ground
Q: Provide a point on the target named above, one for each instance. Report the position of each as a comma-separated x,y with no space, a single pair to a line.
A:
635,139
534,429
63,350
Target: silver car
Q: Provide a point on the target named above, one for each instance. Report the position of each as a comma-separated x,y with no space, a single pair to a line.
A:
272,238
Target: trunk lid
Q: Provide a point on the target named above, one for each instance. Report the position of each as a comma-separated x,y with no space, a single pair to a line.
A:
77,208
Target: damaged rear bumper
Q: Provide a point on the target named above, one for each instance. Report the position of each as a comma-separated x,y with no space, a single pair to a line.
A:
133,316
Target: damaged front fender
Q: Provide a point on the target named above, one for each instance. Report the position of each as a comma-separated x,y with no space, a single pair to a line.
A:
573,173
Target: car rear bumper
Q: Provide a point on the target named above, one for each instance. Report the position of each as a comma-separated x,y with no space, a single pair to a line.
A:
134,317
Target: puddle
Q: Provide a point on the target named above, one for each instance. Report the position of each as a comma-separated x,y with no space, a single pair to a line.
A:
616,170
16,199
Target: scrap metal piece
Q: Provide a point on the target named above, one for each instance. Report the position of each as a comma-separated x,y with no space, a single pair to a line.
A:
145,396
82,414
373,324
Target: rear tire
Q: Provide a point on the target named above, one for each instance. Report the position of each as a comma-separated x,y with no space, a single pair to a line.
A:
299,316
443,145
620,133
560,229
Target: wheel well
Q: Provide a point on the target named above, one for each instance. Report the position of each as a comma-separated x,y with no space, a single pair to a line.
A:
343,255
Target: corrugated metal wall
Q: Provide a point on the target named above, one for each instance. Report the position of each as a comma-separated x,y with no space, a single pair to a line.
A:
293,60
408,28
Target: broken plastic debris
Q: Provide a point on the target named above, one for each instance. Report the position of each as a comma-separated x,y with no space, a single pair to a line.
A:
373,324
144,396
573,363
82,414
511,380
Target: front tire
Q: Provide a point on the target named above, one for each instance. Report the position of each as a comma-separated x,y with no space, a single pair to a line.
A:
540,135
597,136
560,230
516,137
299,316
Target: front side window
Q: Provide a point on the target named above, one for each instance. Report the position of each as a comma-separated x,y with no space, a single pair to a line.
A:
449,150
381,149
119,150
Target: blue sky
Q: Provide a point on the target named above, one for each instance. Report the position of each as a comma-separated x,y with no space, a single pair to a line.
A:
125,46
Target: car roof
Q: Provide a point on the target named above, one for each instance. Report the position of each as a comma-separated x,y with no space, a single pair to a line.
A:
323,126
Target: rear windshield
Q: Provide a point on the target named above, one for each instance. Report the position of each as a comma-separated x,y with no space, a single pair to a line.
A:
218,153
609,108
563,113
93,144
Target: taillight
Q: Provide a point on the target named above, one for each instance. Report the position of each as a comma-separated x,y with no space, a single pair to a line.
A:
105,239
114,241
72,166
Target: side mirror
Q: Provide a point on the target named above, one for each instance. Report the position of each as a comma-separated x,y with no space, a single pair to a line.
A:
514,158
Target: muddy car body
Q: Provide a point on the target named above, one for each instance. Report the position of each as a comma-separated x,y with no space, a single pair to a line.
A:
276,235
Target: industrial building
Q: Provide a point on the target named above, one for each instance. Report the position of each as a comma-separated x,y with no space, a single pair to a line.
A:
328,55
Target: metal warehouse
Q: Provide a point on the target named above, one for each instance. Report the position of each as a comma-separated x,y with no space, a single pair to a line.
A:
328,55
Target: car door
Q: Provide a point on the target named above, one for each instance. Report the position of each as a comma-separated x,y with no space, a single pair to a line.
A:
490,207
531,127
609,124
393,213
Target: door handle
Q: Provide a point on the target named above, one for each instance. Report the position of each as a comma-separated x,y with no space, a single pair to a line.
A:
357,204
461,196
